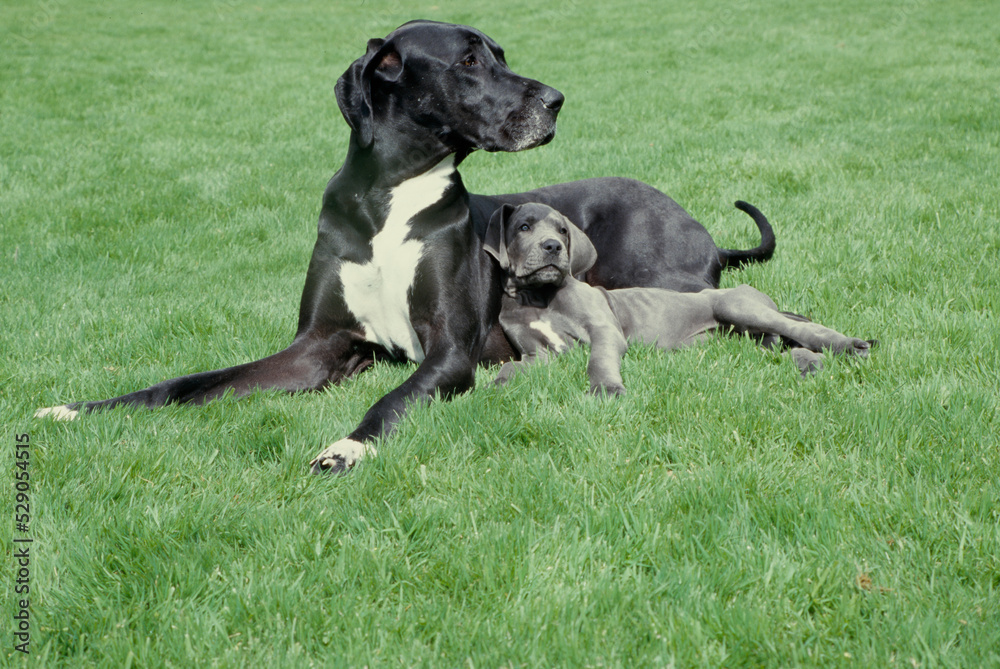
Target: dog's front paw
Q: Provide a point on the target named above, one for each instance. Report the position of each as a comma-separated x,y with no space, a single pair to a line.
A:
340,456
61,412
608,390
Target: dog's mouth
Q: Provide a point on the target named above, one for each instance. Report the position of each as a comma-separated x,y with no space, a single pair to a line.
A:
545,275
521,133
533,124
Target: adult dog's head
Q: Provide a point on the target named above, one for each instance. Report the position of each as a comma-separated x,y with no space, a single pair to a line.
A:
537,246
437,85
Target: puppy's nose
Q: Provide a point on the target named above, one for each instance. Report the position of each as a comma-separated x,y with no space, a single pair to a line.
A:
552,246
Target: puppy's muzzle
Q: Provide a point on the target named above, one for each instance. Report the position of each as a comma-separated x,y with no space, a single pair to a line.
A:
552,247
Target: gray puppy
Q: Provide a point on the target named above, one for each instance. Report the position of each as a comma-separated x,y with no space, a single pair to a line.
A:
546,309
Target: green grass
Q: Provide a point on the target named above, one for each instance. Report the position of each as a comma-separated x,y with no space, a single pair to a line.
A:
161,173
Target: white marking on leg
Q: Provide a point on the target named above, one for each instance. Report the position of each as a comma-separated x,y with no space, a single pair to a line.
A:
346,451
377,292
545,329
61,412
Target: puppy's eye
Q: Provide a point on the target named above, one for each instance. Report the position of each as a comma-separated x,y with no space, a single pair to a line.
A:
470,61
524,227
563,231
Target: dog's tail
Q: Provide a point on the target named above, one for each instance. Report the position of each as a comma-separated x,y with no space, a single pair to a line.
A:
761,253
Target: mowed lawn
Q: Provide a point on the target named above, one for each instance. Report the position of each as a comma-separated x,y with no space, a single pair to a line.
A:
161,168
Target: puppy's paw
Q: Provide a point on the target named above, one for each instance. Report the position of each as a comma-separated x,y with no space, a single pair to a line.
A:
507,372
808,362
340,456
61,412
608,390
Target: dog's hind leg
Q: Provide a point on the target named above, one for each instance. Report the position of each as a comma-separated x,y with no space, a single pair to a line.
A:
309,363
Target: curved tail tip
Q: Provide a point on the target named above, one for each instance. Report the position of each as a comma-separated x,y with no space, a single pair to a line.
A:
61,412
762,252
748,208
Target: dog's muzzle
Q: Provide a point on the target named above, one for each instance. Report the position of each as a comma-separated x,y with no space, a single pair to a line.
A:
546,264
534,122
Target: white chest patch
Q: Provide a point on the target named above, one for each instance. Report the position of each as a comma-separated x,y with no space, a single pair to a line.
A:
545,329
377,291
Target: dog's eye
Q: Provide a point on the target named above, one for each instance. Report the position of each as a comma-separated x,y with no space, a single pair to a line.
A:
563,231
524,227
470,61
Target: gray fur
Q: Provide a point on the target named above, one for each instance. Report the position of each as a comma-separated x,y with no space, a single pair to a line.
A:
546,309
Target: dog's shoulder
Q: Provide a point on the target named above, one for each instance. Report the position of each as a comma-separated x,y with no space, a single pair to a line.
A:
580,299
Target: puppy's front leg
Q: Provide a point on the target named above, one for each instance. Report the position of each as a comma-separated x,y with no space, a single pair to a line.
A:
607,346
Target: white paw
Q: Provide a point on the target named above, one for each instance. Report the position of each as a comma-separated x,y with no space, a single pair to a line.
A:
61,412
340,456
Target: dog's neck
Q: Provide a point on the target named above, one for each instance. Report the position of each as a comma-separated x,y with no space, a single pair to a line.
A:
389,161
359,190
535,296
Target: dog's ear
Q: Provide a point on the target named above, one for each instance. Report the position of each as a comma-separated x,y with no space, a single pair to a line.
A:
354,88
496,49
496,235
582,254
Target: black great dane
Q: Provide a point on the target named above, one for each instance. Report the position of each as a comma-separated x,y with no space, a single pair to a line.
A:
398,271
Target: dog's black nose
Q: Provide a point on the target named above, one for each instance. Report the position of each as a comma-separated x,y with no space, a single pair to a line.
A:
552,99
552,246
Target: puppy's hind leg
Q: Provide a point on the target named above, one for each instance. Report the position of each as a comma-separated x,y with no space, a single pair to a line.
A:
749,310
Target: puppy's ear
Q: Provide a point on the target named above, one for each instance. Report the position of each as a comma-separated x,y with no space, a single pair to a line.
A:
582,254
496,235
354,88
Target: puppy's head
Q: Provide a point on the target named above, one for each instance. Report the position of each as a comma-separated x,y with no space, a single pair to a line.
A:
537,246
